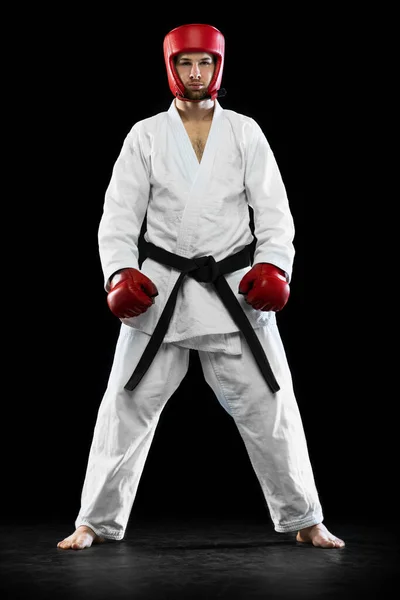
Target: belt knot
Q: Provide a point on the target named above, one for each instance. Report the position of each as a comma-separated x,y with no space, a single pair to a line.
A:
207,269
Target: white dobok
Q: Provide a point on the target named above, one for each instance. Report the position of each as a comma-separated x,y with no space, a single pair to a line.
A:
197,209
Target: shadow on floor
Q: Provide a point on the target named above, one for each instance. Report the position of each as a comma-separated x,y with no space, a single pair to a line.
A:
195,559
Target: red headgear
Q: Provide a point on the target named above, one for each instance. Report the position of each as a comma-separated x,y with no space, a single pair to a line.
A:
194,38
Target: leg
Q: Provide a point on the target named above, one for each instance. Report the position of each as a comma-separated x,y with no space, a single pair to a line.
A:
123,433
272,431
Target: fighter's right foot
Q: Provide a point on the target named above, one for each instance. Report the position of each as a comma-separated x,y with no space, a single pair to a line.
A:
83,537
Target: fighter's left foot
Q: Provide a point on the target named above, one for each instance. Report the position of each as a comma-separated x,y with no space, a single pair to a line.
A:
319,536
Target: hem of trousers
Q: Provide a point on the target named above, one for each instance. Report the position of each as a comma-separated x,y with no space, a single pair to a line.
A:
105,532
301,524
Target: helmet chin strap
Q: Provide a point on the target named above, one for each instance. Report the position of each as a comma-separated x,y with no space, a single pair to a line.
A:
184,99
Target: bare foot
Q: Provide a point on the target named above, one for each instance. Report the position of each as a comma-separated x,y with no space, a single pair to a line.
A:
83,537
319,536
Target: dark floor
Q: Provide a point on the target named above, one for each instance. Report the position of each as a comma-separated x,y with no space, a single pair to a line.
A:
198,559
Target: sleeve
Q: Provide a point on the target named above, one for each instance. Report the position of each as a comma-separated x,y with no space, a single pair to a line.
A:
266,194
124,209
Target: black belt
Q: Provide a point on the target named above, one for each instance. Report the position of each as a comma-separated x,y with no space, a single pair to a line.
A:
206,270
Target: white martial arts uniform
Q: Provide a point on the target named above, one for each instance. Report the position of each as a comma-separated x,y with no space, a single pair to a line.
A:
197,209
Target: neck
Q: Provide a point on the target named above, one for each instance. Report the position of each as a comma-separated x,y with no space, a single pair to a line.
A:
195,111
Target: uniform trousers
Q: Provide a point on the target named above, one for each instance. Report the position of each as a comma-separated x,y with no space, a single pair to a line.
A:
269,424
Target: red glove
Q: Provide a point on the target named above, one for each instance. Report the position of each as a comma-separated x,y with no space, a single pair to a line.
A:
265,287
131,293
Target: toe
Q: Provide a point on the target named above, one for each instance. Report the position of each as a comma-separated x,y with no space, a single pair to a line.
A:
77,546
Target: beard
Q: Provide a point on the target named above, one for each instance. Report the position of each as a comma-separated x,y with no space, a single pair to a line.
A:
196,94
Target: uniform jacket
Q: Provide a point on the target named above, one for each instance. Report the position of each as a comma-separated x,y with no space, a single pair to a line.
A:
195,209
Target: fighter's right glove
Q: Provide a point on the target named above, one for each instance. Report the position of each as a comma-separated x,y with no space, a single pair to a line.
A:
131,293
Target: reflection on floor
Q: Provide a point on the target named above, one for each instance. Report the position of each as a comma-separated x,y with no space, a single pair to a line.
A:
197,558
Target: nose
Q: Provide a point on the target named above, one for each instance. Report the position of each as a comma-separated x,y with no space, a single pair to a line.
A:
195,71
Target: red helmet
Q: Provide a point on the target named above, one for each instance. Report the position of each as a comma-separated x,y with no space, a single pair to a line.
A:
194,38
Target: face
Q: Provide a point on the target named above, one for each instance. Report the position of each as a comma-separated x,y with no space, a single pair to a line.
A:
195,70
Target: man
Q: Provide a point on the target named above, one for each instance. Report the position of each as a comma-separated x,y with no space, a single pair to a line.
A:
193,171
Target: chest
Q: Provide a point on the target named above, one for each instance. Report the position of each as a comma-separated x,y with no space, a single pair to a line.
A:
198,134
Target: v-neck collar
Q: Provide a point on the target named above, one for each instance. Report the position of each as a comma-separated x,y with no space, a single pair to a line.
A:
185,144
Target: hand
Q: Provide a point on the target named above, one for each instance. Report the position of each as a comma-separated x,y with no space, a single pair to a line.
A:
131,293
265,287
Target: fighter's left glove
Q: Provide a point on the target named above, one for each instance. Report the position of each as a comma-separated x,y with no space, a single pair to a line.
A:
265,287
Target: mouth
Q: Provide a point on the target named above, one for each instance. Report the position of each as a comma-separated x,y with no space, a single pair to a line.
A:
196,85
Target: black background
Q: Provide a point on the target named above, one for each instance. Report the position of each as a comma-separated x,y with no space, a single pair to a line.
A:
80,83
